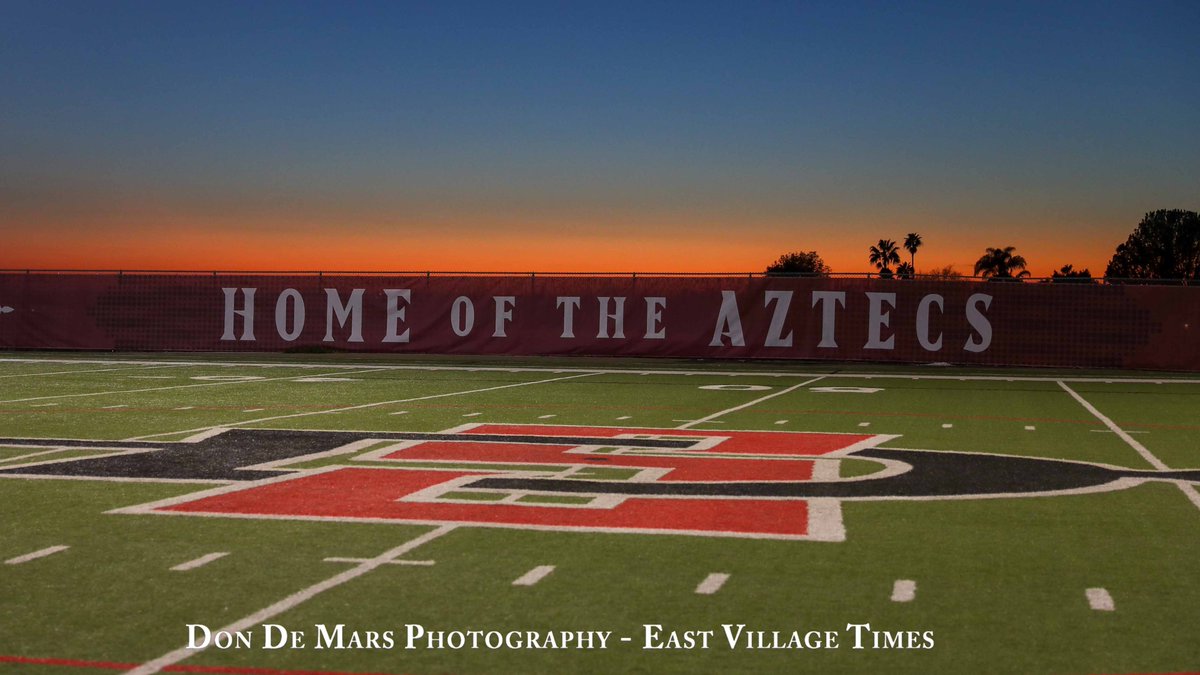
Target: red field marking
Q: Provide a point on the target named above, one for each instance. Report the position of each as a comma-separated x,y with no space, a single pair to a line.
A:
227,670
355,493
418,494
797,444
695,469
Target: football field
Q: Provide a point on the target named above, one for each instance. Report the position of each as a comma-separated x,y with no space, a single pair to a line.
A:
274,514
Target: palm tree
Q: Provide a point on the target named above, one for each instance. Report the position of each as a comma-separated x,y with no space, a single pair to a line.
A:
1000,263
883,255
905,271
912,242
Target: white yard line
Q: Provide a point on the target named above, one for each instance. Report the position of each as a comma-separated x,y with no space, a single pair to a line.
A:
534,575
904,590
364,405
51,451
1188,489
623,371
712,583
176,386
35,555
199,562
743,406
291,601
415,563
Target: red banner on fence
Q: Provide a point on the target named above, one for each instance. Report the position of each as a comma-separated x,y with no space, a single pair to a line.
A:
1088,325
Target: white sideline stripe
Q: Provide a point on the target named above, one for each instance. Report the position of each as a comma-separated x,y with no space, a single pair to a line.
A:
546,417
35,555
184,407
534,575
609,371
171,658
366,405
1100,600
399,412
113,407
1030,427
419,563
42,405
947,426
904,590
712,583
254,409
625,417
174,386
1188,489
199,562
781,421
474,414
736,408
90,370
864,424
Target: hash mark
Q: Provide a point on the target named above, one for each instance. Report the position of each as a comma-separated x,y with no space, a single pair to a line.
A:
199,562
1100,600
534,575
904,590
712,583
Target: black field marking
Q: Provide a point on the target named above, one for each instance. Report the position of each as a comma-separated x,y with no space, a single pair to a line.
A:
220,457
930,474
933,475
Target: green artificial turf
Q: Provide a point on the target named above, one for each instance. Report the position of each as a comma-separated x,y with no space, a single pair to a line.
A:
1000,583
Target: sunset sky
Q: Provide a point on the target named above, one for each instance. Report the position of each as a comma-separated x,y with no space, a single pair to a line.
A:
601,136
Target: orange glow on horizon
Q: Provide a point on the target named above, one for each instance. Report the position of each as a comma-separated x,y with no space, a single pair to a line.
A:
277,245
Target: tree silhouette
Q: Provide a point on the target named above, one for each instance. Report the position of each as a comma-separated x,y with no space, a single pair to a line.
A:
798,263
883,255
912,242
905,271
946,273
1000,263
1068,274
1165,245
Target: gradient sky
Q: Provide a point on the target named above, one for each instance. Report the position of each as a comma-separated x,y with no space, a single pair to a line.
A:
601,136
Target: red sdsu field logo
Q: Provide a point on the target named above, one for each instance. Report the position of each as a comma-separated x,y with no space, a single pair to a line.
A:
406,489
711,483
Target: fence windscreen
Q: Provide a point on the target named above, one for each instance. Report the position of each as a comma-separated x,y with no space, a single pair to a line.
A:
901,320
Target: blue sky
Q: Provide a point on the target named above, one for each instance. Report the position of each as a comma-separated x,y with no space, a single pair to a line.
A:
793,125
